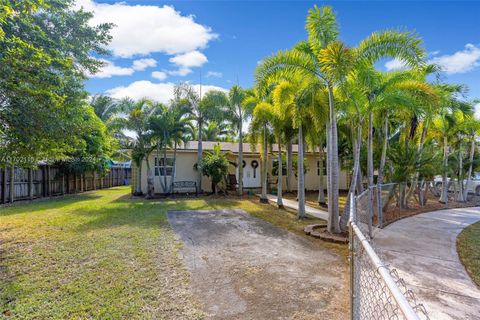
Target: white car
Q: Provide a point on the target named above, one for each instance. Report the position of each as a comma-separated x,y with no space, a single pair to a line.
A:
473,186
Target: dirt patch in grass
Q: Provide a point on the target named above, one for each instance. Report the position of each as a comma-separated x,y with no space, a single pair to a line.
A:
468,246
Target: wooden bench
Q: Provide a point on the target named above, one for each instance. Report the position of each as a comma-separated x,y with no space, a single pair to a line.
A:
185,185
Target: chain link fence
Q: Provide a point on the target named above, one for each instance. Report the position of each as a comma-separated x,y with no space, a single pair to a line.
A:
377,291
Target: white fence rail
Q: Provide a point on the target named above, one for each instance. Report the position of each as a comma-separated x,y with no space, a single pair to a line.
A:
376,290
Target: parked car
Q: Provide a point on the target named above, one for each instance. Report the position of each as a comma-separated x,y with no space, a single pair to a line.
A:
473,186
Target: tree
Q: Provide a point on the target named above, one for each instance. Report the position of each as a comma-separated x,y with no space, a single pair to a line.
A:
237,112
266,114
168,126
201,109
138,121
46,50
215,166
324,57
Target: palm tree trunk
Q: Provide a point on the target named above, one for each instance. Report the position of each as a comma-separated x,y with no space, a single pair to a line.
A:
333,213
150,185
165,190
289,165
138,189
157,164
321,189
280,175
470,166
353,184
460,194
420,152
444,194
301,176
174,170
264,198
240,158
383,160
370,162
199,155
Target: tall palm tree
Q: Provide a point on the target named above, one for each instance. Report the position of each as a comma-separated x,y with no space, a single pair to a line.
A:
444,127
324,57
237,112
201,109
294,98
137,120
266,114
260,125
168,127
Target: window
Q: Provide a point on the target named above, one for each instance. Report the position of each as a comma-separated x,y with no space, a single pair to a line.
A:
163,167
324,168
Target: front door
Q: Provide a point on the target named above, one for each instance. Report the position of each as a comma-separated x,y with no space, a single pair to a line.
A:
251,173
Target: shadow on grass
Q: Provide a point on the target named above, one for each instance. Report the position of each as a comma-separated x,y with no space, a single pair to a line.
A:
143,213
41,204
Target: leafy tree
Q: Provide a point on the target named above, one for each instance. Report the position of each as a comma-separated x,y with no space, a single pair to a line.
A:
45,52
215,166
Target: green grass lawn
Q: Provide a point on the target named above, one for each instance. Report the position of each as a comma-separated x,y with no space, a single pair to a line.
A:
104,255
468,245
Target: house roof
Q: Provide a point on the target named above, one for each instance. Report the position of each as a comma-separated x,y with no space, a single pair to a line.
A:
232,147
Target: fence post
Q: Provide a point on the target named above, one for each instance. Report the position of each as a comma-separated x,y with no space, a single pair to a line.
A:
12,184
49,190
94,173
4,185
370,211
30,183
63,182
380,206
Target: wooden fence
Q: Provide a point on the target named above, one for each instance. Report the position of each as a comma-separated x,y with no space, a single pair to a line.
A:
47,181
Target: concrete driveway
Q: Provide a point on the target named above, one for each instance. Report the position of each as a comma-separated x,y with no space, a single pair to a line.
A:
246,268
423,250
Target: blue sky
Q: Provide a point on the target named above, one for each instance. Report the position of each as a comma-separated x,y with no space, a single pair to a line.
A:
157,44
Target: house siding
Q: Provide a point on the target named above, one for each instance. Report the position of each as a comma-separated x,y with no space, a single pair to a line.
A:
187,159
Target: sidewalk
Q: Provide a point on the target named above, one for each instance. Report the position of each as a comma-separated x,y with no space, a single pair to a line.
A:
291,204
423,250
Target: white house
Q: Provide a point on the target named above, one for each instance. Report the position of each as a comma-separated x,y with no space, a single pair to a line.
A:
187,159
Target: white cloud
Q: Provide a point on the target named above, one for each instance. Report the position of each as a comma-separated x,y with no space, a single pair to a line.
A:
144,29
160,75
477,111
395,64
109,69
142,64
214,74
461,61
181,72
189,59
161,92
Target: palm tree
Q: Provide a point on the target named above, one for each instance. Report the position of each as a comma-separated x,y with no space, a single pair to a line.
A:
472,129
293,99
169,125
237,112
266,114
201,109
262,114
324,57
137,120
444,127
